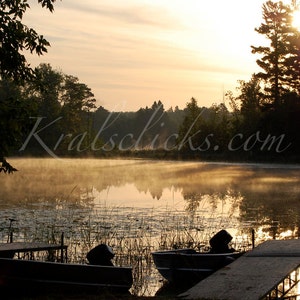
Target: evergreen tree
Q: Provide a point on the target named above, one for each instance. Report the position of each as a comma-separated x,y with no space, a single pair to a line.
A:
189,131
278,59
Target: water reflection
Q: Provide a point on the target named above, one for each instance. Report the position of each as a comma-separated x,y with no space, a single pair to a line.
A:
147,205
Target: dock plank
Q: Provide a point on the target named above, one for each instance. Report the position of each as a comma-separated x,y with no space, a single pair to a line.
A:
35,246
278,248
251,276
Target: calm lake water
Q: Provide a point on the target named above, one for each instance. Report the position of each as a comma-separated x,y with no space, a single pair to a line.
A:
138,206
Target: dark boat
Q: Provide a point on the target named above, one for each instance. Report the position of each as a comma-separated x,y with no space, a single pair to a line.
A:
23,275
187,266
38,275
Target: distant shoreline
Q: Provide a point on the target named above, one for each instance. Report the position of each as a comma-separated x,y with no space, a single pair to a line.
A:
177,156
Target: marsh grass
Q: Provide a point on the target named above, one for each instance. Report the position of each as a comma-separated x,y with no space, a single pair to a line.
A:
50,197
132,233
77,210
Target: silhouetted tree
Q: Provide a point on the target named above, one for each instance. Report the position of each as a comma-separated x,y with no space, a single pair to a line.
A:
15,39
13,118
77,102
278,59
252,101
190,129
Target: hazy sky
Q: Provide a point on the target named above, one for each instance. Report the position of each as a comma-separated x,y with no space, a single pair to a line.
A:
134,52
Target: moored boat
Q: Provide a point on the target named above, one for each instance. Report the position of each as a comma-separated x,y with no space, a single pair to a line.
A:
39,275
34,276
189,266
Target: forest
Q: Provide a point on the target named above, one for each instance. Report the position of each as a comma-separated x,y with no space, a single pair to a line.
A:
65,121
45,112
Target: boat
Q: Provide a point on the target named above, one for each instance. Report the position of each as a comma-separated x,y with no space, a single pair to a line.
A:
44,276
188,266
33,275
181,265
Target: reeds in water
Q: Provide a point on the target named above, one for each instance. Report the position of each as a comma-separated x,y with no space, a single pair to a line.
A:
132,233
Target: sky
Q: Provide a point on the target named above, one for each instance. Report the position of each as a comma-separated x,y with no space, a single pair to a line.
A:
134,52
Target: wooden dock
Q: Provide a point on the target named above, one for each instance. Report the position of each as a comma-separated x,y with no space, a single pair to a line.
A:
9,249
252,276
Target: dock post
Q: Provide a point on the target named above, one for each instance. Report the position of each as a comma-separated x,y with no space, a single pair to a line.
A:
10,231
253,238
62,248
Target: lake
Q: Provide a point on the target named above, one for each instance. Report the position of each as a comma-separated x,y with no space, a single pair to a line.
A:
137,206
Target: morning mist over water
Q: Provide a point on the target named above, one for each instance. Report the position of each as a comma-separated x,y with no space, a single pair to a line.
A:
150,203
256,191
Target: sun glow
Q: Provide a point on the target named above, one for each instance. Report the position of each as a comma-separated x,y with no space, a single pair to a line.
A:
296,19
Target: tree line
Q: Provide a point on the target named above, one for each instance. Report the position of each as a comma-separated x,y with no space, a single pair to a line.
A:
47,112
65,121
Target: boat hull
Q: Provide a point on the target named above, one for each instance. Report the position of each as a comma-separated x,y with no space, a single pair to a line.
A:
41,276
189,266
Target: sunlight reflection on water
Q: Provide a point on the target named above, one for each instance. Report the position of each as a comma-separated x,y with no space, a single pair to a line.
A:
152,204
